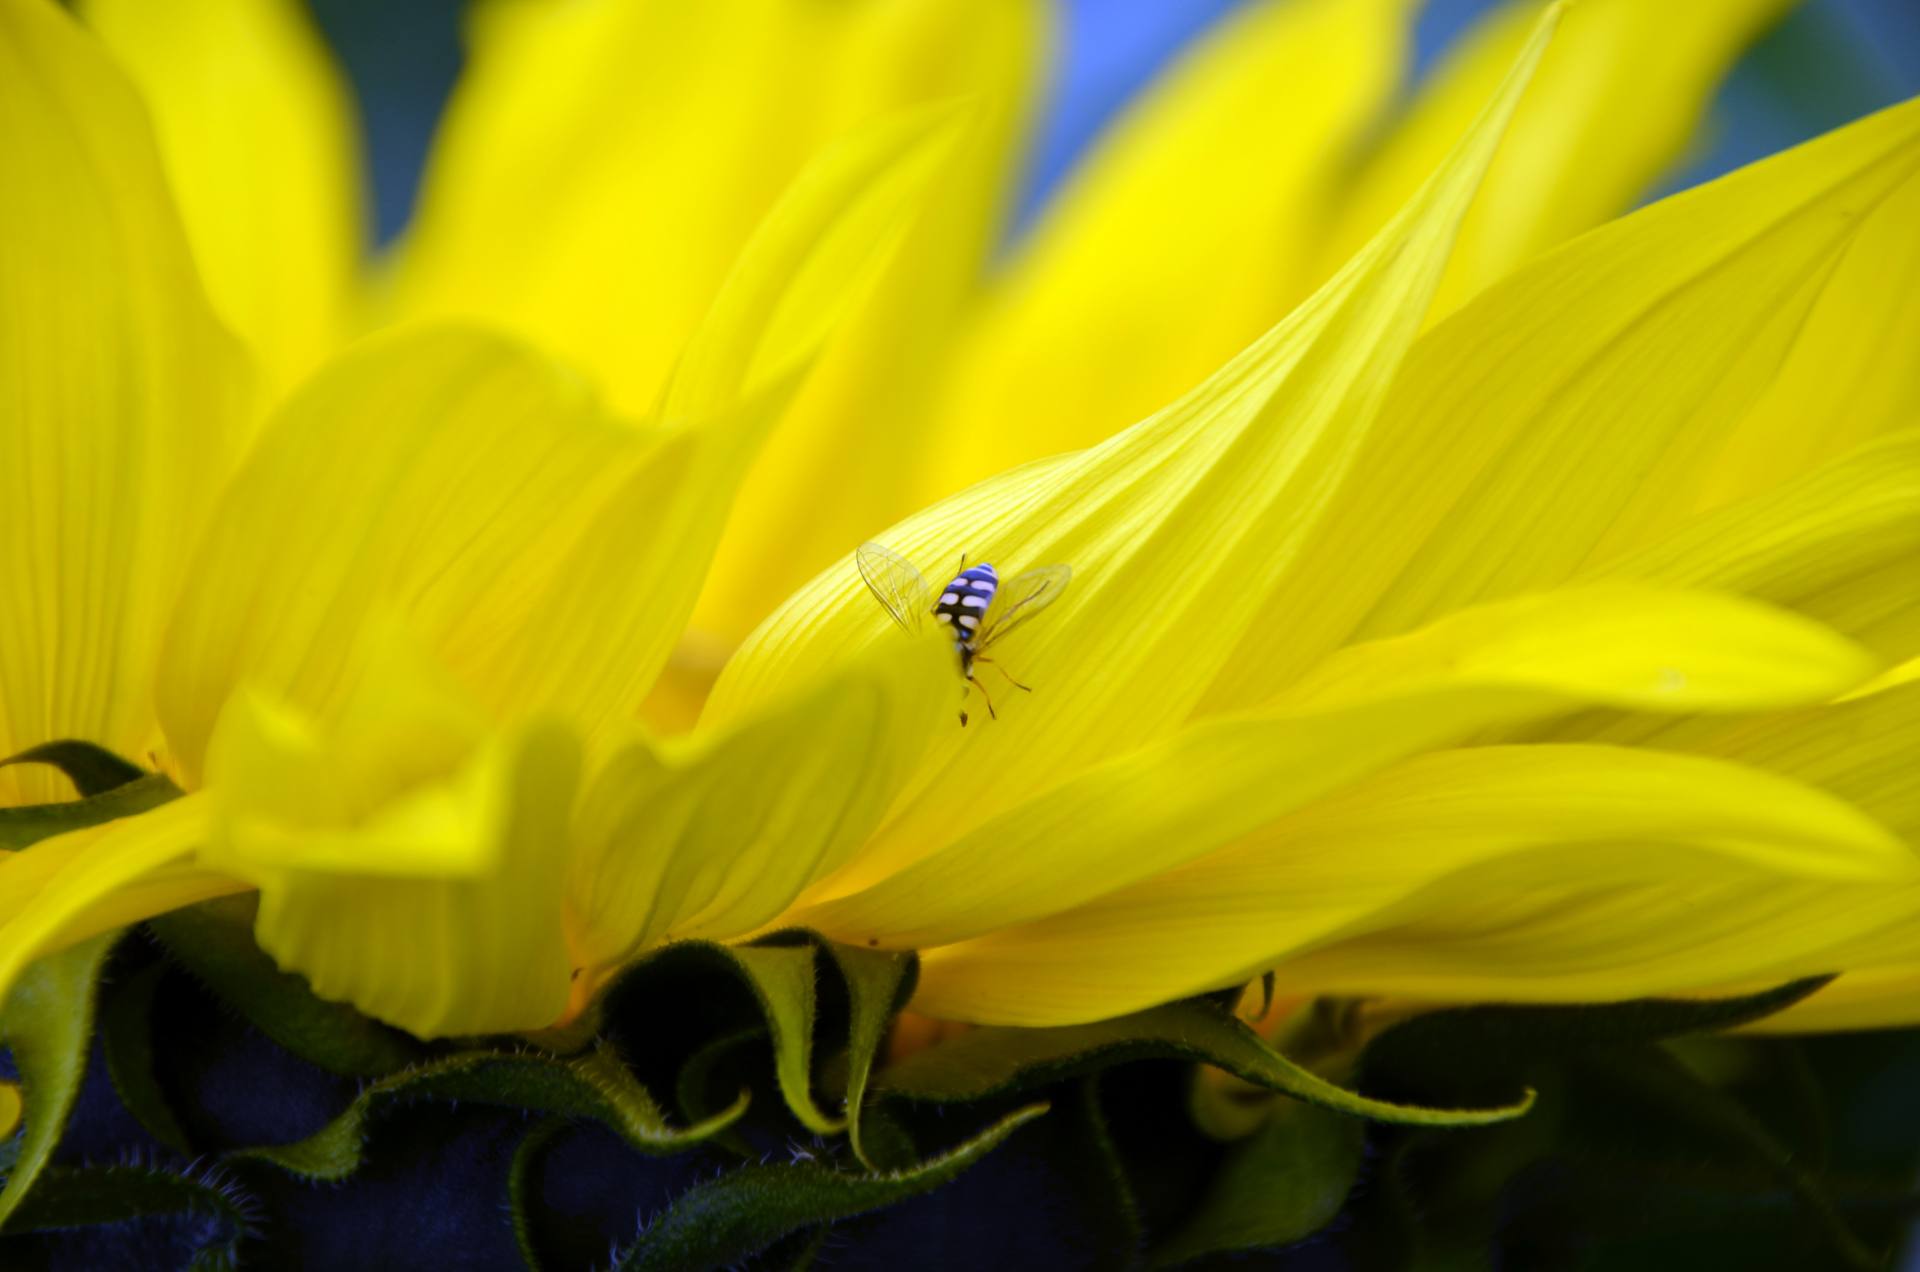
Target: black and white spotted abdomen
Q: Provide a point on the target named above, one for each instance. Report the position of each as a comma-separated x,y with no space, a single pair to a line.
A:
963,602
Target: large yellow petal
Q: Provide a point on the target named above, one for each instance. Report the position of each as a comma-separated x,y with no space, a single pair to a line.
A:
121,402
1132,818
1615,105
63,890
1580,408
1174,529
1177,241
714,836
261,145
1488,871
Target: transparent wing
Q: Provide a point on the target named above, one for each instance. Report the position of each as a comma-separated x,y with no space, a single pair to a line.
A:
900,588
1021,598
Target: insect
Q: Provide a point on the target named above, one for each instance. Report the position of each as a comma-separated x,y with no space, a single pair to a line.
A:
977,608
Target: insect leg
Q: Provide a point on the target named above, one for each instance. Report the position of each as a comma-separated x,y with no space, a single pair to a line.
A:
1003,671
983,695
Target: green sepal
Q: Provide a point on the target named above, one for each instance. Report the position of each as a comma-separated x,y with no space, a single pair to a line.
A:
214,942
781,974
30,823
595,1086
1475,1040
67,1198
93,770
996,1061
521,1186
746,1211
1279,1185
48,1024
879,983
126,1032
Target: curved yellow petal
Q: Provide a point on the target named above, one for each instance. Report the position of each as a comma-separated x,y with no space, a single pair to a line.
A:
261,145
1485,872
1135,816
1177,241
1614,107
440,912
436,476
1871,998
1580,408
715,835
1840,544
1174,529
121,400
63,890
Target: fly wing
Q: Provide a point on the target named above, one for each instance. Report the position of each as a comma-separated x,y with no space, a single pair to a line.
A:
900,588
1021,598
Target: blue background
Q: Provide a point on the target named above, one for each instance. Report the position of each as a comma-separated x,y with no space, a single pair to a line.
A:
1829,62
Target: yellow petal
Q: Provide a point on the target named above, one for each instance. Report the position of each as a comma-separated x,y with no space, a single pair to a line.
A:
477,947
63,890
714,836
1143,813
1177,241
1578,409
120,399
260,142
1486,872
1174,529
438,477
843,461
608,160
1872,998
1614,107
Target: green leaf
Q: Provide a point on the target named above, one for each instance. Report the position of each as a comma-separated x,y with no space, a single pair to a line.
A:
1282,1184
747,1210
879,983
86,1196
48,1023
93,770
214,941
1474,1039
593,1086
994,1061
126,1029
30,823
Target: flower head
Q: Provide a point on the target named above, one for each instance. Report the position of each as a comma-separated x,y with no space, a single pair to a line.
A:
1447,639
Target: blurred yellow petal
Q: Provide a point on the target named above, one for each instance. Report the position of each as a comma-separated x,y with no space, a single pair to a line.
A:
1197,205
842,462
436,476
474,942
63,890
121,400
1613,108
1344,867
1870,998
715,835
1576,410
261,145
607,160
1130,819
